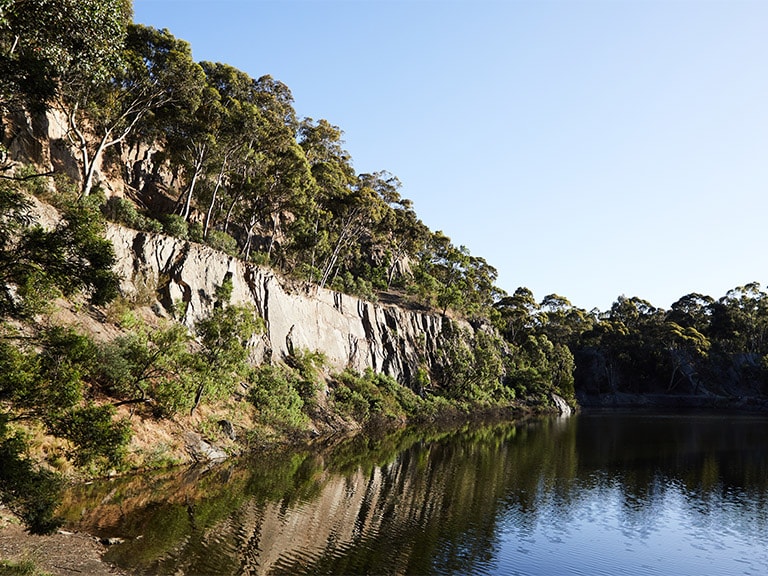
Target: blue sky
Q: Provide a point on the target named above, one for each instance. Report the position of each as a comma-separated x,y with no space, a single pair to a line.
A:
584,148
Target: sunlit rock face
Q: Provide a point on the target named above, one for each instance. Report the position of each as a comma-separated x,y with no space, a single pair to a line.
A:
349,331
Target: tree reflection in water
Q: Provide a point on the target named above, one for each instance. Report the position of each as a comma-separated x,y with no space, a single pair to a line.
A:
633,492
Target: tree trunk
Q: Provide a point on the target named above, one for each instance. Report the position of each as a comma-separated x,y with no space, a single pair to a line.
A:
213,198
198,169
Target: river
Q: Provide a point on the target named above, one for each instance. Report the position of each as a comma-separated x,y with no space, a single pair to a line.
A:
610,493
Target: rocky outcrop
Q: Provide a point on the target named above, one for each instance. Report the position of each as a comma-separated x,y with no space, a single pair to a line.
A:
173,275
562,406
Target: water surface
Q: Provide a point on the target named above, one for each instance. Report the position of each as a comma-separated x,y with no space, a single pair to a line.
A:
595,494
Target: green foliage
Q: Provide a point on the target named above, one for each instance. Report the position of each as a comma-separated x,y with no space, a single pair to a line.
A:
151,365
175,225
124,212
96,437
222,241
50,380
472,367
23,568
356,286
160,367
36,264
223,292
195,230
30,492
221,361
308,366
45,42
274,391
370,396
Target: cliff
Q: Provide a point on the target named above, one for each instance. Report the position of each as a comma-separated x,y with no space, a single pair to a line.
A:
350,332
163,271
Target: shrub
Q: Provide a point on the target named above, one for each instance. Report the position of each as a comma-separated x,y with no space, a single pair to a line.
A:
370,394
222,241
308,365
122,211
98,439
351,403
175,225
30,492
195,231
274,394
149,364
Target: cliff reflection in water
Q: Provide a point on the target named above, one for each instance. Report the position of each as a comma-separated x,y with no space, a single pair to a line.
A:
446,503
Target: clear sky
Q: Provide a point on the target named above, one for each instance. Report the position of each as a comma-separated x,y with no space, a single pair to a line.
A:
584,148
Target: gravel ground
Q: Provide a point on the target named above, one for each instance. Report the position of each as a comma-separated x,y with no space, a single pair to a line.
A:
61,554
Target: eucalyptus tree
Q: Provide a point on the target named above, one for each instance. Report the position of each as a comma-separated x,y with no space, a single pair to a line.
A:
155,70
367,227
634,312
538,361
237,129
685,347
480,285
276,180
406,236
740,320
355,213
561,321
517,315
692,311
331,168
43,42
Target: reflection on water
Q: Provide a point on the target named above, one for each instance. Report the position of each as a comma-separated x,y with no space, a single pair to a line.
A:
596,494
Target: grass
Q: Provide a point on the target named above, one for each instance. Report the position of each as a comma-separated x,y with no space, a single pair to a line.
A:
23,568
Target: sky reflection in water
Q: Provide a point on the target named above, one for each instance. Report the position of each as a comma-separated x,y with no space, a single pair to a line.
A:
603,494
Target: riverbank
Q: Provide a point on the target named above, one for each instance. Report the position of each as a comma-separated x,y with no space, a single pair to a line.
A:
60,554
672,402
67,552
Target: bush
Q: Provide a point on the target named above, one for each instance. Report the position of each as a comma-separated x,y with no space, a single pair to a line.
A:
124,212
97,438
274,394
222,241
150,365
308,365
370,394
30,492
48,380
351,403
175,225
195,231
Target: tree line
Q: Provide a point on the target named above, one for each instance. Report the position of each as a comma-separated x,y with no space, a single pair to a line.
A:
246,173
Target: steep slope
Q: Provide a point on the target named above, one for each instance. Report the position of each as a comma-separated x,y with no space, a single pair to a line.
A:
350,332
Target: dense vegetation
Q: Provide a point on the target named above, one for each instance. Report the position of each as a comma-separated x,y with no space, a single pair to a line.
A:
209,154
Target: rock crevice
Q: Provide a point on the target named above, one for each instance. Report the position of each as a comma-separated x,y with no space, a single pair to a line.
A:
350,332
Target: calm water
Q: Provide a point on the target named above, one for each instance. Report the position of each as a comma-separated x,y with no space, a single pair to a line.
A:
594,494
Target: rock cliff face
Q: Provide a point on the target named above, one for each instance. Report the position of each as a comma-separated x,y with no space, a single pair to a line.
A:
350,332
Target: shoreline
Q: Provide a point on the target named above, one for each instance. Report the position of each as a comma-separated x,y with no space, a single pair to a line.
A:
62,553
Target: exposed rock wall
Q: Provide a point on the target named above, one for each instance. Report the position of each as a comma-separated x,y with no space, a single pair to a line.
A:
350,332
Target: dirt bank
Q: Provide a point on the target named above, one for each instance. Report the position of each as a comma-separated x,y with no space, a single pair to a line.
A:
62,554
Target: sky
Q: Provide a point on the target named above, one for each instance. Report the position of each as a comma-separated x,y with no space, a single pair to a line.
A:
589,149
